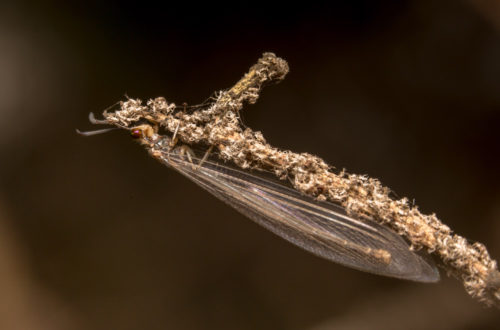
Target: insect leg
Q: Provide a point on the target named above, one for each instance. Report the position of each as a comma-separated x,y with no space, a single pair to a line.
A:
207,153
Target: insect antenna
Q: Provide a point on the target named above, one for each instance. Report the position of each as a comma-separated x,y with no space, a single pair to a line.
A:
95,132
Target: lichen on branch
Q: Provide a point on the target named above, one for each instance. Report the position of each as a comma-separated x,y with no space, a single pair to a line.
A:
217,124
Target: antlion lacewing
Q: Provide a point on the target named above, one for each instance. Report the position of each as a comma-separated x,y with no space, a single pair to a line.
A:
348,218
320,227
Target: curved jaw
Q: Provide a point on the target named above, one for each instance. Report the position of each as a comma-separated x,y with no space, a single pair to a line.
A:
95,121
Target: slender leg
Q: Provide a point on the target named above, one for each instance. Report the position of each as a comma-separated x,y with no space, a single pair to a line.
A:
173,142
186,151
205,156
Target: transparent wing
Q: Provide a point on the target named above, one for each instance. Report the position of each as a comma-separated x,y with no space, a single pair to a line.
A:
322,228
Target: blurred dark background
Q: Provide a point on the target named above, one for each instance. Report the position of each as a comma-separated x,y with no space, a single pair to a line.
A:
95,234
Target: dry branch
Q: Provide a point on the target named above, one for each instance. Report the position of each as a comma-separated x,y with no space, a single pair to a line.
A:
217,125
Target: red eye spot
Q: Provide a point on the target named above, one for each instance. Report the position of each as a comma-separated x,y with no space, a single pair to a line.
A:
136,133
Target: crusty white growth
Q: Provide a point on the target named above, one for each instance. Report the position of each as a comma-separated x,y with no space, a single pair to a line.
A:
217,125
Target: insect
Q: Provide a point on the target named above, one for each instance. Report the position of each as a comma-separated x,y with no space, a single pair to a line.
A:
320,227
347,230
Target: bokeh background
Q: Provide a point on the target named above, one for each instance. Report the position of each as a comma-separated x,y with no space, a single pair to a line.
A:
95,234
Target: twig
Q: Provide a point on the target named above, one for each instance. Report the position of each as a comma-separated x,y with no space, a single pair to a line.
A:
217,126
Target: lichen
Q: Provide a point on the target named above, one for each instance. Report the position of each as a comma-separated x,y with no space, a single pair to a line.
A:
218,125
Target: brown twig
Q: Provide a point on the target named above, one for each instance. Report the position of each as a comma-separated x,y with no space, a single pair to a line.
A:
217,125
